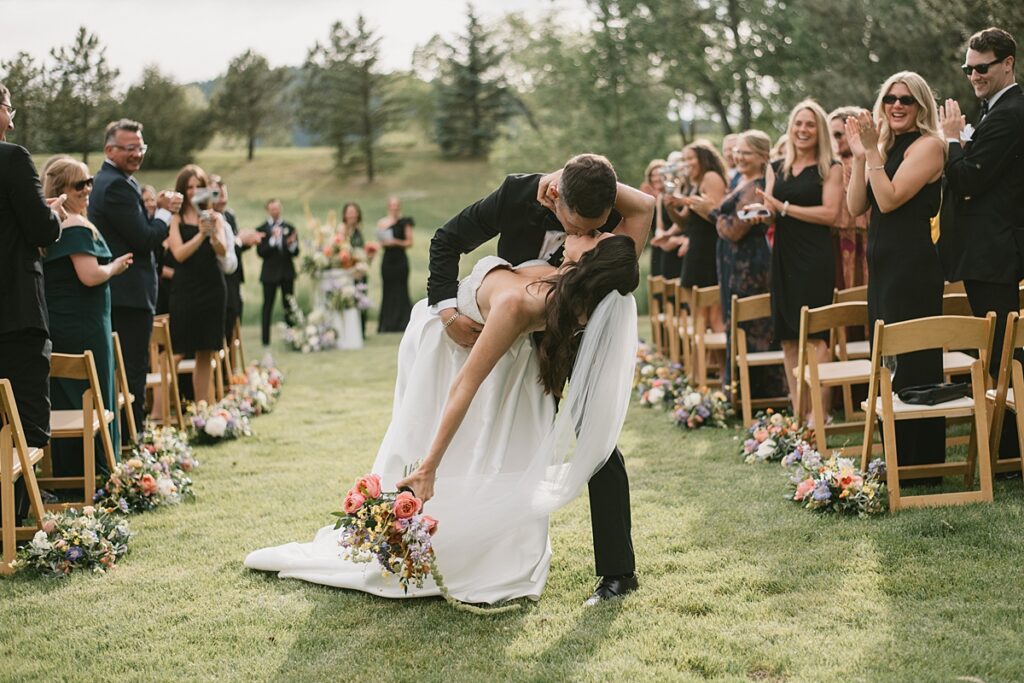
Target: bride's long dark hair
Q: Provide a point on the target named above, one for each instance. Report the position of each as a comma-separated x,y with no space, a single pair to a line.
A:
575,293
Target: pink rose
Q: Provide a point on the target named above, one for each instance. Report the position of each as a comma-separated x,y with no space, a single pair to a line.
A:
368,485
48,526
804,489
407,505
760,435
431,524
148,484
353,501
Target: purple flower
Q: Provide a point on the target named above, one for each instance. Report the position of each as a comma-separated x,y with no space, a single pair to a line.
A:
821,492
123,505
74,554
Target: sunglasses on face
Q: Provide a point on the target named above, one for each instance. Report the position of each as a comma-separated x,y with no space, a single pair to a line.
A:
838,134
905,100
82,184
980,68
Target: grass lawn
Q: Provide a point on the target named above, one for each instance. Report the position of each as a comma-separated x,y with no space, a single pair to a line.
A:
736,582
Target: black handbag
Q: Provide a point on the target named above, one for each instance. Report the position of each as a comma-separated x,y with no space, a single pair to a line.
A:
933,394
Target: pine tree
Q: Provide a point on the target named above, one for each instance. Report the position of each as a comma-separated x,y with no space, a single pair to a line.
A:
25,79
175,125
247,102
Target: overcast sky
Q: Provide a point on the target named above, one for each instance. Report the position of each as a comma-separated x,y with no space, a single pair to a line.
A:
193,40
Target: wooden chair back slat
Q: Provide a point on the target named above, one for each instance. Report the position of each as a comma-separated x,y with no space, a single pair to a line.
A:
946,332
845,314
842,296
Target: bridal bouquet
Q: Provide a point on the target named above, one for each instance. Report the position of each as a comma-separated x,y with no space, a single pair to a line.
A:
143,482
772,436
210,424
389,527
835,485
93,539
695,408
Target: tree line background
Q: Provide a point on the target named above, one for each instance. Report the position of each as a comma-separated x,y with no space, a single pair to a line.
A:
643,77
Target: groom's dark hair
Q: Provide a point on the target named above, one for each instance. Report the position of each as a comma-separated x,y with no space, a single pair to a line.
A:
588,185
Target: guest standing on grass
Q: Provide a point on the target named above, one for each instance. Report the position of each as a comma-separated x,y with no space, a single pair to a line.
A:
899,156
805,203
394,232
203,246
117,210
654,185
851,232
78,270
278,246
352,222
27,223
242,242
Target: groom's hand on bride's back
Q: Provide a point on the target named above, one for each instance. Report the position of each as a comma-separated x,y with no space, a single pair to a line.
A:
463,331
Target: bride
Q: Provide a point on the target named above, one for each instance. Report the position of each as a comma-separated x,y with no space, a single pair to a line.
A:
503,453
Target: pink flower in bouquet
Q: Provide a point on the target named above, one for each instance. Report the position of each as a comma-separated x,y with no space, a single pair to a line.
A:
368,486
327,251
760,435
407,505
804,489
345,258
353,501
148,484
431,524
48,526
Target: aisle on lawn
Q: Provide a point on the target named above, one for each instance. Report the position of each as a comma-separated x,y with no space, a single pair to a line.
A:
736,582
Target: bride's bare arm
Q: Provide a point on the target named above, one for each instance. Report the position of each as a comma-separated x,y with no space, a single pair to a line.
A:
508,319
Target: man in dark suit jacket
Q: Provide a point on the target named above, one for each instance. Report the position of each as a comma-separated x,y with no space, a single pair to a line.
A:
116,209
530,215
279,245
243,242
27,223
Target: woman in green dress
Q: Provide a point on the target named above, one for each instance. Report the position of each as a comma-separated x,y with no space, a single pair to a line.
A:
76,270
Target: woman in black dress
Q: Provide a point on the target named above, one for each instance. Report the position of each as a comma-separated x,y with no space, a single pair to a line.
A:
201,242
352,224
805,202
395,235
654,185
898,162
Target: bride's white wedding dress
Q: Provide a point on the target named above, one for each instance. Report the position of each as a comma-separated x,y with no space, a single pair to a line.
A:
513,461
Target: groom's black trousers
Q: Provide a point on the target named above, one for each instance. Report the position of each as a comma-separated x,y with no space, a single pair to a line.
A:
610,518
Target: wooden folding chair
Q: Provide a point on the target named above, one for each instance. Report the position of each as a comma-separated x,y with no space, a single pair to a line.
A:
851,350
954,288
743,310
16,460
656,311
235,349
1009,385
704,340
125,399
684,328
161,377
812,377
670,326
85,423
187,366
918,335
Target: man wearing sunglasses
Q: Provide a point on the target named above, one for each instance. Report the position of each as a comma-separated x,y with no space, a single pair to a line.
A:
27,223
117,210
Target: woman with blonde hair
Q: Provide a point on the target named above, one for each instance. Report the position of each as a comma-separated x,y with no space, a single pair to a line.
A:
805,202
744,258
899,156
76,270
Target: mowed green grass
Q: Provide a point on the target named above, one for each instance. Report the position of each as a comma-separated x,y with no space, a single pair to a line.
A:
737,583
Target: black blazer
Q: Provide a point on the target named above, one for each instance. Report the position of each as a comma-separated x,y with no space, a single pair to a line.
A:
26,224
985,180
513,212
277,260
116,209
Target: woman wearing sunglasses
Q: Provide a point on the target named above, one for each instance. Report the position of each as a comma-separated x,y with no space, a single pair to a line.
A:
76,271
899,155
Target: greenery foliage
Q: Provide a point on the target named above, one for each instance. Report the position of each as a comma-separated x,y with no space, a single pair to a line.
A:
247,101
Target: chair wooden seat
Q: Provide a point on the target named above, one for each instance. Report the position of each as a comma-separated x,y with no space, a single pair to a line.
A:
714,340
67,423
17,461
758,358
956,362
152,379
938,332
841,372
33,455
961,407
161,380
186,366
858,349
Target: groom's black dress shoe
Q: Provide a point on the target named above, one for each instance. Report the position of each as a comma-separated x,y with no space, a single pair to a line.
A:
611,587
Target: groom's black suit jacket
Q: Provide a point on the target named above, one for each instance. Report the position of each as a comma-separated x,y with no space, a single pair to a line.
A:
985,180
511,212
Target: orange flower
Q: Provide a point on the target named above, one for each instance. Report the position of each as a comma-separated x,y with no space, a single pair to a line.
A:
148,484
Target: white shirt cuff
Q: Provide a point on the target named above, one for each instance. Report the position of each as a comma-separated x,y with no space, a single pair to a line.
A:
163,215
441,305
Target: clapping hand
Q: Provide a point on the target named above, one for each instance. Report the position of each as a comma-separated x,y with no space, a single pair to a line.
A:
250,237
170,200
699,203
951,120
861,134
768,201
56,205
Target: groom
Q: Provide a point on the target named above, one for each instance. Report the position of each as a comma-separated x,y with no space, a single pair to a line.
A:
531,215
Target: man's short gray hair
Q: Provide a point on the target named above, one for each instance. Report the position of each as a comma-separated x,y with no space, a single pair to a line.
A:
121,124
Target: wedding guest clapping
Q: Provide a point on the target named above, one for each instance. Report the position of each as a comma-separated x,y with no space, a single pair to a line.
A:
850,237
805,202
203,245
279,245
899,157
78,269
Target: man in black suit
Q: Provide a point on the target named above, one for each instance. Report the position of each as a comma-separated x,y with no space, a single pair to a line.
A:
27,224
117,210
278,246
243,242
530,215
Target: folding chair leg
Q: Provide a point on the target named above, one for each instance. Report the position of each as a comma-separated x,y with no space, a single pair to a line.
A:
7,516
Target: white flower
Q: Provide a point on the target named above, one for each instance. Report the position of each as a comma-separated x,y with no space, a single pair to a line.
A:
40,541
765,450
216,426
647,371
310,330
691,400
165,485
656,395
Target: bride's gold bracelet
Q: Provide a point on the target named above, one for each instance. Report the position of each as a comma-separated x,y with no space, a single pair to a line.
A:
447,323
